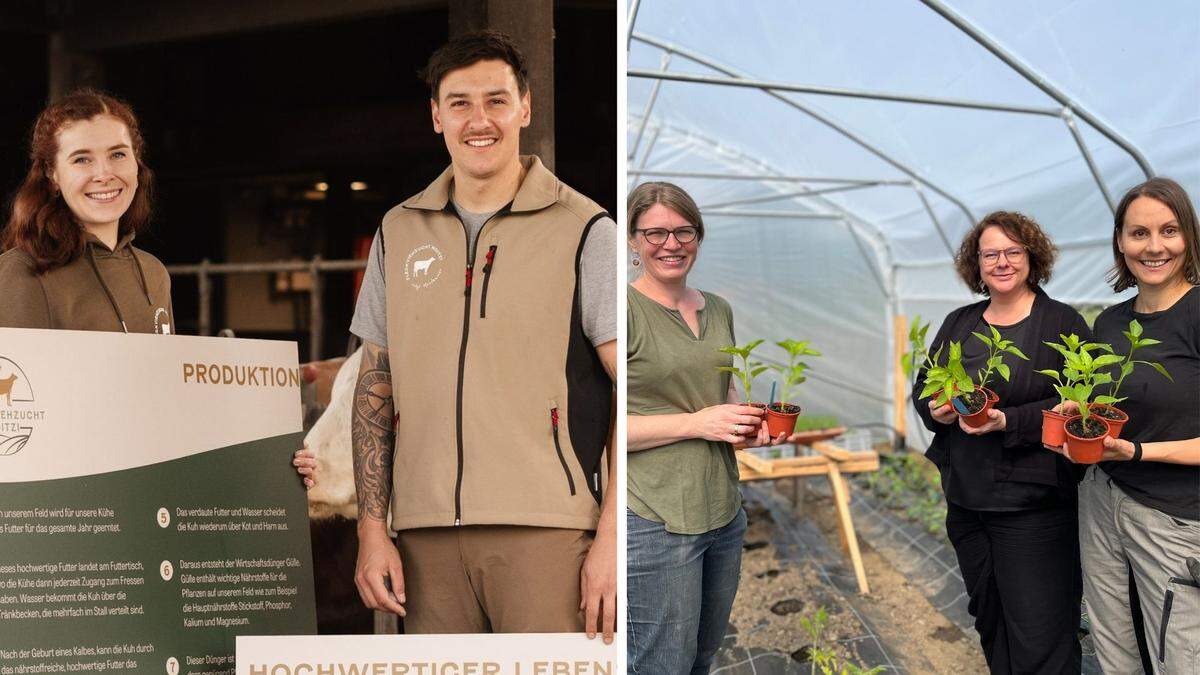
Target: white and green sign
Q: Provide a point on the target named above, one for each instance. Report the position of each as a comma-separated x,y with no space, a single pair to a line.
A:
149,512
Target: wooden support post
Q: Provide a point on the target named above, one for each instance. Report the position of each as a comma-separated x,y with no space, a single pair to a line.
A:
842,502
900,391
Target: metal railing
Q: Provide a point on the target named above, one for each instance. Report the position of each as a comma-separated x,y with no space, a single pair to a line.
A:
205,270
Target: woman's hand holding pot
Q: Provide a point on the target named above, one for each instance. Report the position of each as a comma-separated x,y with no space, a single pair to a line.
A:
1067,408
944,413
763,438
728,422
1115,449
996,422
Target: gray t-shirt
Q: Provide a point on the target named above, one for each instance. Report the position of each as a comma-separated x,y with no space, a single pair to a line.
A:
597,283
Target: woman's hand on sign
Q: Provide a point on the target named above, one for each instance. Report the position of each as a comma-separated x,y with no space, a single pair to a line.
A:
305,462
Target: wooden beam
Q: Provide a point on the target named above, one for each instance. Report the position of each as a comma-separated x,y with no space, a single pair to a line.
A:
755,463
900,391
834,452
842,501
746,474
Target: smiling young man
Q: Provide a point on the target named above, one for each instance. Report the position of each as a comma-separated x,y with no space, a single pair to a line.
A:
484,400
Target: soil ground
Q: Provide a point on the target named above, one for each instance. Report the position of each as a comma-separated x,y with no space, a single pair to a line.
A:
893,626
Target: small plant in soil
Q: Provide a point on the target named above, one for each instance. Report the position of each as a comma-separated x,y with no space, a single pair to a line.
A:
749,370
1087,377
822,657
1072,350
792,374
997,348
946,381
952,381
1136,342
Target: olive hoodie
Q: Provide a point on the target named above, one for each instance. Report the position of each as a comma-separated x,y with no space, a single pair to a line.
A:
126,290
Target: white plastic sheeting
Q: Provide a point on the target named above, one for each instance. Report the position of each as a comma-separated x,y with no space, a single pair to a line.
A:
837,279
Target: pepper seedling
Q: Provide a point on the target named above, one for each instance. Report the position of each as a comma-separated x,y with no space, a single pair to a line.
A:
917,352
1086,375
1136,342
947,380
793,373
749,370
1070,348
997,347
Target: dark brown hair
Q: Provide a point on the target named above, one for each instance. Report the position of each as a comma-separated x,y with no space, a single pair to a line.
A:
41,223
470,48
1040,251
642,197
1174,197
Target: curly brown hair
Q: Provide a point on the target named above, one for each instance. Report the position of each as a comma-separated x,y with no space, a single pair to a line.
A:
1021,229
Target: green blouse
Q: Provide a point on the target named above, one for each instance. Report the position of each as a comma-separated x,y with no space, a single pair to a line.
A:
691,485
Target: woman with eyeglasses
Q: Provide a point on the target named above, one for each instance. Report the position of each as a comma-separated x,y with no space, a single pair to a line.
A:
1139,508
1010,505
685,520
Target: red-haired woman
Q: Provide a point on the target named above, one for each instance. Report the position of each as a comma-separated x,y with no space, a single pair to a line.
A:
69,261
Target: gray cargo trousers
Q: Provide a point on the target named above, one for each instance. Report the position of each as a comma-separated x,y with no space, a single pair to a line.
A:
1113,529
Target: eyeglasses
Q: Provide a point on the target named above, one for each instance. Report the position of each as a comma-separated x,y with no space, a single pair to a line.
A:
658,236
1012,255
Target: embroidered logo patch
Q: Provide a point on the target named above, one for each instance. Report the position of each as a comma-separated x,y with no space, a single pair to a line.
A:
424,266
162,322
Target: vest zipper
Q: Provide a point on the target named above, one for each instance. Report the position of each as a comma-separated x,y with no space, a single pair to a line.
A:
487,278
558,448
462,355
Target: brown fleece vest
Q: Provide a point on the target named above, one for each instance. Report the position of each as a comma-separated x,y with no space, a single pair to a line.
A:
503,404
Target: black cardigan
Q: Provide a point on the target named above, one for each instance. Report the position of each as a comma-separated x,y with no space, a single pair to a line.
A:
1016,453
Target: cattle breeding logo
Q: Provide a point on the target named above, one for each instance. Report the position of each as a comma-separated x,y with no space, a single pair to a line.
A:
17,416
423,266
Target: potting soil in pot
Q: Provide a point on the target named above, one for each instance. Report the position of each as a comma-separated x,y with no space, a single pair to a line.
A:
1093,429
974,401
1109,414
785,408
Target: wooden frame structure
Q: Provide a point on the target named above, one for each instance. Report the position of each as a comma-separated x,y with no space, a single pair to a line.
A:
830,461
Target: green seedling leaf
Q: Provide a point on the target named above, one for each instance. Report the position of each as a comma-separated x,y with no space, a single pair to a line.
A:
1003,370
1158,367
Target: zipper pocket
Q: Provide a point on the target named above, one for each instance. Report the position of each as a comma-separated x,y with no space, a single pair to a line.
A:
558,448
487,278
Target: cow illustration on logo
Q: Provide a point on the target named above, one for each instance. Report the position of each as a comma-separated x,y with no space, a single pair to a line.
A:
6,386
423,266
16,417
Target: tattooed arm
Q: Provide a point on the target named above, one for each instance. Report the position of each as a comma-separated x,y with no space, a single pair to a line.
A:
378,573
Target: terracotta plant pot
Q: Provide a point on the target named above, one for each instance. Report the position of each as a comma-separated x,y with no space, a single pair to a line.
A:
1115,417
779,422
752,432
1085,450
1053,432
980,418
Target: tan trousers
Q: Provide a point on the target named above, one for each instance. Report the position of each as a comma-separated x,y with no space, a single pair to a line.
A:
493,579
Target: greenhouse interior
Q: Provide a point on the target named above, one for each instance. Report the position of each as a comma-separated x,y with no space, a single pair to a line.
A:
840,151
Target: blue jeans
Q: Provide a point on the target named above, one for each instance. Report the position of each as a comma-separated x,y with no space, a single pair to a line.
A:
681,590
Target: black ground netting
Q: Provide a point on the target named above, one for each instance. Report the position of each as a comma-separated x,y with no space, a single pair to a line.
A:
926,560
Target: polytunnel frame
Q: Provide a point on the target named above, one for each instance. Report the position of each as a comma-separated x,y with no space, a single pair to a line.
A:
1069,110
884,264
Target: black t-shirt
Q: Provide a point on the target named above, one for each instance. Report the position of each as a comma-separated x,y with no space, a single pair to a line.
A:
1159,409
978,489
